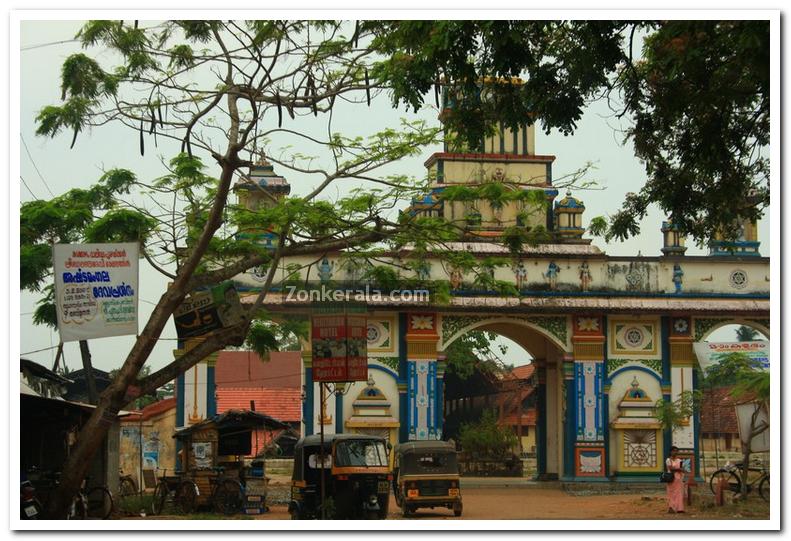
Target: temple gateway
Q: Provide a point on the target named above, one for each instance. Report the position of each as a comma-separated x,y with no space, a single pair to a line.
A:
609,335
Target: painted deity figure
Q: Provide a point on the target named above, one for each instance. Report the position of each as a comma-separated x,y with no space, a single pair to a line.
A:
585,276
423,271
325,270
552,275
456,277
678,277
520,273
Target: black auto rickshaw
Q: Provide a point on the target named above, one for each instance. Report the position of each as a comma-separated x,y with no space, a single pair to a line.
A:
356,477
426,474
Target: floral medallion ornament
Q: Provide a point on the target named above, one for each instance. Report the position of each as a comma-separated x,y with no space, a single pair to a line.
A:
681,325
588,324
738,279
422,323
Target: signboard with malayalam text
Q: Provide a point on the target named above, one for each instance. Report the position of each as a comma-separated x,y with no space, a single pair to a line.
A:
339,345
710,353
96,289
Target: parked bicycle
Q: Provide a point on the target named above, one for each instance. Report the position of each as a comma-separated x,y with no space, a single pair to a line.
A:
126,484
732,477
174,492
227,495
89,503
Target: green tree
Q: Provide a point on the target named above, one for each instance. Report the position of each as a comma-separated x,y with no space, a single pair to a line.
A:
673,414
750,385
474,350
696,101
485,439
223,90
746,334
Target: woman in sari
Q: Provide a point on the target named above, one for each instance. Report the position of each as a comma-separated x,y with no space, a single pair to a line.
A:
675,489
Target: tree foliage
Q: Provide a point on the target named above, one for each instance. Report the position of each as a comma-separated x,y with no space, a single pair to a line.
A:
486,439
696,101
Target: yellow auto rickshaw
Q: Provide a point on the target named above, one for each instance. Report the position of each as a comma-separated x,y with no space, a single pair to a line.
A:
356,471
426,474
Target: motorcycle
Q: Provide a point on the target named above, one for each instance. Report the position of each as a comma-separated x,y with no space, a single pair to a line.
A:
30,508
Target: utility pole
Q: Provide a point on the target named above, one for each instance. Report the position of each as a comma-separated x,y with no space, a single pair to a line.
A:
321,446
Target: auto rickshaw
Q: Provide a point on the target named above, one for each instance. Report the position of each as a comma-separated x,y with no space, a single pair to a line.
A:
426,474
356,477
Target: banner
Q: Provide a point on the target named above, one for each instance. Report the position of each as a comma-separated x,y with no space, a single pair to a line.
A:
206,311
710,353
95,289
339,345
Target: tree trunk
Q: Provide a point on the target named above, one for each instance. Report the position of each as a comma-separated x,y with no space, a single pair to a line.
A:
93,396
115,396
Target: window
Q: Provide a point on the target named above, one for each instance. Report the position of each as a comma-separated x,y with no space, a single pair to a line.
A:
365,453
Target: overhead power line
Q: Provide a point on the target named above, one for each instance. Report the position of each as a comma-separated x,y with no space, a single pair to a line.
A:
28,188
40,45
29,155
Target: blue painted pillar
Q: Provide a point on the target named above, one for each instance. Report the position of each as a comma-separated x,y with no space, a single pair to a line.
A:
179,415
211,390
439,421
569,422
403,398
666,378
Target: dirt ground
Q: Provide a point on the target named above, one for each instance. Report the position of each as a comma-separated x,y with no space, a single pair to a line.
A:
542,504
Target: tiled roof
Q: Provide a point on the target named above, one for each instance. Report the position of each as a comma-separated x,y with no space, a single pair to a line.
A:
524,372
152,410
282,404
528,419
717,412
246,369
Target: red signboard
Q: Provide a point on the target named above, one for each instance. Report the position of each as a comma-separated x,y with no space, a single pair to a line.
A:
339,347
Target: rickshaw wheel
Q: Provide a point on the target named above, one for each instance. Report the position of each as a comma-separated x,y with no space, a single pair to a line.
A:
228,497
408,510
185,497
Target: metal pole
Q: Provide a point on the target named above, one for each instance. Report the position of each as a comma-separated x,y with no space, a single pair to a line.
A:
321,445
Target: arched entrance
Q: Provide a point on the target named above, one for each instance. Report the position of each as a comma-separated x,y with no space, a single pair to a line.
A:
547,353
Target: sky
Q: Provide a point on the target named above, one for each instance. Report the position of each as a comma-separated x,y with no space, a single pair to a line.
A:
49,167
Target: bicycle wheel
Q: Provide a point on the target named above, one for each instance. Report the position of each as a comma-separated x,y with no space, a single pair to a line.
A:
160,498
731,480
763,488
100,503
186,494
78,510
228,497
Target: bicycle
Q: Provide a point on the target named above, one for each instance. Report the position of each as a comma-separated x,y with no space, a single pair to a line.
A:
731,476
175,490
227,495
126,484
93,503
